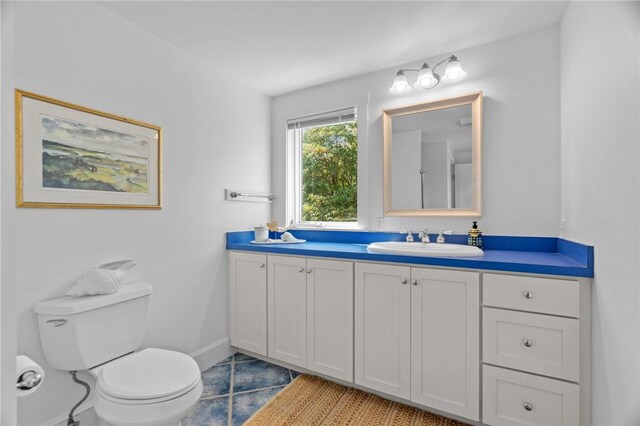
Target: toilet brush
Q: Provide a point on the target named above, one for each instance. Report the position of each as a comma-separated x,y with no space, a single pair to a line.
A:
71,421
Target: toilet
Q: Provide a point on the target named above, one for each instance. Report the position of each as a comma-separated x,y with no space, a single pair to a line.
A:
101,335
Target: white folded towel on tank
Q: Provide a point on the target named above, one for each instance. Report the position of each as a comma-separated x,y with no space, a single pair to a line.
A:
105,279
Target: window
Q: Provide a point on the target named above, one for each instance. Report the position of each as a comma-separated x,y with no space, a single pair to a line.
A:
323,167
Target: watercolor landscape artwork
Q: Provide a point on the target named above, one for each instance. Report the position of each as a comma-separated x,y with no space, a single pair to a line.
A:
76,156
70,156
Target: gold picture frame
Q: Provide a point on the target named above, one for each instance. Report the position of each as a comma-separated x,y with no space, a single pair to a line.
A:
70,156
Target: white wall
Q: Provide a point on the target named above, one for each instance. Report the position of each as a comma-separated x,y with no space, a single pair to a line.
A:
520,79
8,412
214,129
600,80
7,306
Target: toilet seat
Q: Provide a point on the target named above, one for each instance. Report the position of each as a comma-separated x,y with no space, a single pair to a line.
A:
151,387
147,401
148,377
135,413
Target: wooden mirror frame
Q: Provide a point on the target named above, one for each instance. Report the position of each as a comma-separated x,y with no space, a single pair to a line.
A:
473,99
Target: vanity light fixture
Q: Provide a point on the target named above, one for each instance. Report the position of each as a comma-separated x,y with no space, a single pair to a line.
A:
427,78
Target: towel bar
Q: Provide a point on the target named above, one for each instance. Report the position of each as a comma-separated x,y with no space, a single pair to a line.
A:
244,196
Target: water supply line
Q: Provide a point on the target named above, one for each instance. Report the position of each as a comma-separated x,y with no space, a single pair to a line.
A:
71,421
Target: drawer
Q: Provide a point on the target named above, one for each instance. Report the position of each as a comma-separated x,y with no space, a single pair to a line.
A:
532,342
513,398
544,295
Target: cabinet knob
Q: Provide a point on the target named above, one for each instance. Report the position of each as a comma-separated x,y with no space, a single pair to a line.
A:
262,265
528,343
528,406
414,282
403,281
308,270
301,269
528,294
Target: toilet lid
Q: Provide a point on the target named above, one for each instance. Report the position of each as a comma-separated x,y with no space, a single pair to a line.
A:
151,373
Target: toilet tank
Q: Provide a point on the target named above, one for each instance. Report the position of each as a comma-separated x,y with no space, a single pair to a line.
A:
78,333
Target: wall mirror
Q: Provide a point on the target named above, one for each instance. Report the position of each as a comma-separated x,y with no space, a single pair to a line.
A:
433,158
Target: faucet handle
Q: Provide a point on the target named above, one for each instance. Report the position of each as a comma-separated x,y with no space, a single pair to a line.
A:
409,238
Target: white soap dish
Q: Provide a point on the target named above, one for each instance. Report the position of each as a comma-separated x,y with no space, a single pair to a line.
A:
278,241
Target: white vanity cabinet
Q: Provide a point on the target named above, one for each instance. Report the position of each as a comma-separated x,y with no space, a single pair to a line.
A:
310,314
383,328
248,301
287,309
536,351
445,340
417,334
330,318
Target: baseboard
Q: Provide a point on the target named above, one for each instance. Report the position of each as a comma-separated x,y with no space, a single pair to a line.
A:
84,414
212,354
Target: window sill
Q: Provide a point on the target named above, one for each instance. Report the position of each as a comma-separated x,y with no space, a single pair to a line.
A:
327,226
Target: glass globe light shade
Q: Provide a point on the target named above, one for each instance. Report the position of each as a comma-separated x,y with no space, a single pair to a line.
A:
400,84
426,79
454,71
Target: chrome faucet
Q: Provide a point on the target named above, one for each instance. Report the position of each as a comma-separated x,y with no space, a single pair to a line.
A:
409,238
424,236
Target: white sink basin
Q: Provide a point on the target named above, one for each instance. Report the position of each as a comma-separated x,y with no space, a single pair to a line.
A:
427,250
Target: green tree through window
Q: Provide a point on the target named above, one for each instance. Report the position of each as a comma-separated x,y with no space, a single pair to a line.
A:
330,173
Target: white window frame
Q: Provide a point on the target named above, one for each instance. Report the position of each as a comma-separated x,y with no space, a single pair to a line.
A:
294,176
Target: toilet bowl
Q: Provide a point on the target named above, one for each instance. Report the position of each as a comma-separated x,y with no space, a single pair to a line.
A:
150,387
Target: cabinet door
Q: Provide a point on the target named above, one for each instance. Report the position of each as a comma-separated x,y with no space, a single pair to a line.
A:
445,336
330,318
287,309
382,328
248,301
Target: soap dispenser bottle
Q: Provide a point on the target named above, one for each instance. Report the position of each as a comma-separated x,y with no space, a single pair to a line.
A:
474,237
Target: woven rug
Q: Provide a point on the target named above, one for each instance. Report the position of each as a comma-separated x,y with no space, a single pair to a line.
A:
312,401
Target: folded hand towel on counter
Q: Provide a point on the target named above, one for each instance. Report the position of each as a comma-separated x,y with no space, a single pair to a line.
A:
270,241
286,238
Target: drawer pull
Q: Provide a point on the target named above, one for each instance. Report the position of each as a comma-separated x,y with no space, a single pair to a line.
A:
300,269
528,343
403,281
308,270
528,406
414,282
528,295
262,265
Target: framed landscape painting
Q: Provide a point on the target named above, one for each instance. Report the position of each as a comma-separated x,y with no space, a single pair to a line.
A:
68,156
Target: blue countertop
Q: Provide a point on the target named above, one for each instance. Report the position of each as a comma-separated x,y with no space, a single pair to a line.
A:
536,255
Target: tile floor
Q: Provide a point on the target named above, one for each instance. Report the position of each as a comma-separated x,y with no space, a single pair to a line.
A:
236,388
